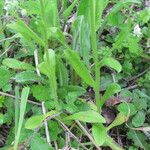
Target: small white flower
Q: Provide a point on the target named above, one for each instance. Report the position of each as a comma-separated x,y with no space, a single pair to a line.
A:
137,31
10,5
23,12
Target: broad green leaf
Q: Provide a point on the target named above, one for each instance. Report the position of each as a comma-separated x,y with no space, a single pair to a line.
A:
55,129
36,121
120,119
112,63
79,67
27,76
16,64
144,15
39,143
139,119
75,89
110,91
87,116
127,109
51,13
41,93
139,139
99,133
81,38
83,9
26,32
122,37
4,76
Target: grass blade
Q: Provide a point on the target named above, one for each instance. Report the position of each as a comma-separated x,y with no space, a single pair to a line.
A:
24,96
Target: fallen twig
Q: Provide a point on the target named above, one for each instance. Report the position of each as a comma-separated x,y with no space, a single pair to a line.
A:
12,96
72,135
43,107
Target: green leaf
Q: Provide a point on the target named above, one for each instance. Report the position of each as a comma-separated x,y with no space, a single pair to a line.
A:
36,121
139,139
144,15
110,91
26,32
127,109
79,67
24,96
1,119
55,129
4,76
81,38
16,64
67,12
120,119
112,63
39,143
51,13
62,73
99,8
87,116
99,133
1,101
139,119
27,76
41,93
83,9
58,34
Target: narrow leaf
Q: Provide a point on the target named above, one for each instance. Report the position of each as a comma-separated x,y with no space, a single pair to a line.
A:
79,67
16,64
24,96
26,32
110,91
87,116
27,76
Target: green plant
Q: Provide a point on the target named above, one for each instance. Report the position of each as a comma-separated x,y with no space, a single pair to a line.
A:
78,59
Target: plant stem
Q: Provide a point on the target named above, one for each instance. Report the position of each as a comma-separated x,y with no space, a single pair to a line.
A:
95,54
52,80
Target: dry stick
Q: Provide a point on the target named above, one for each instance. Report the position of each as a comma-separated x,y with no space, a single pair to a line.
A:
43,107
56,145
12,96
6,50
72,135
139,75
88,135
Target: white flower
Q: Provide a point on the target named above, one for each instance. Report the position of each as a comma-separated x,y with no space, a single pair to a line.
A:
23,12
10,5
137,31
